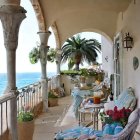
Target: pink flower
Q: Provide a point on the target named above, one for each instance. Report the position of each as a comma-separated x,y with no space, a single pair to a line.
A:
119,115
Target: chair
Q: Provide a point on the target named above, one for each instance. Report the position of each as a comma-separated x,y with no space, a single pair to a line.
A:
78,132
126,99
128,132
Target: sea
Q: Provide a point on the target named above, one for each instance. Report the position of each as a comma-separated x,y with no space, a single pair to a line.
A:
22,79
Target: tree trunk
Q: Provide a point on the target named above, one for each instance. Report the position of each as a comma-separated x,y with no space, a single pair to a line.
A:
77,60
76,66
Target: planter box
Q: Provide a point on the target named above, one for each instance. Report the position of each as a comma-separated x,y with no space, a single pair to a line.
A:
5,135
25,130
37,110
52,102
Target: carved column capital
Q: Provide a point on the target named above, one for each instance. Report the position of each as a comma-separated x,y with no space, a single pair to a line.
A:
44,37
13,2
43,49
11,17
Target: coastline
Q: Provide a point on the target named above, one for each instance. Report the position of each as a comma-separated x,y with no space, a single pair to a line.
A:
22,79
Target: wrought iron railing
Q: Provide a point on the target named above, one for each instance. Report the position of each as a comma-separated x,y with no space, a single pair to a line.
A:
4,112
29,96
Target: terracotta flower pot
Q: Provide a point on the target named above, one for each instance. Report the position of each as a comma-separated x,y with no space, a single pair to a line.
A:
25,130
52,102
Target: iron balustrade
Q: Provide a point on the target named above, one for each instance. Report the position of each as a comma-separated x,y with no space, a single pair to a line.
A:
4,112
29,96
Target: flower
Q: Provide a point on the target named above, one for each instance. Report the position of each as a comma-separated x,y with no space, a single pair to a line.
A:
120,116
25,114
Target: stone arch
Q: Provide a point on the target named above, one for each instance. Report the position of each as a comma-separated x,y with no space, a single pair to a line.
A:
92,30
56,34
39,15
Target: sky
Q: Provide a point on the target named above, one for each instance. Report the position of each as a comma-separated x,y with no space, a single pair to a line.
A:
28,39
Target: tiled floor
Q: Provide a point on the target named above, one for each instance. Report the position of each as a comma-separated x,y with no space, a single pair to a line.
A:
50,123
56,119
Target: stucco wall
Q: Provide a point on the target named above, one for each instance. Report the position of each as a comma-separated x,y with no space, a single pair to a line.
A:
129,21
68,86
107,56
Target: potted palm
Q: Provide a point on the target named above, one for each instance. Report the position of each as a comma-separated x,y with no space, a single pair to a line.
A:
25,124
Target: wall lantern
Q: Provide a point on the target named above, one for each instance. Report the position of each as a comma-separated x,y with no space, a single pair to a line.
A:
128,41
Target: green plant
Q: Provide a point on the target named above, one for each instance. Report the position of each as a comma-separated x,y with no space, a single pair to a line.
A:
35,55
88,72
25,114
51,55
116,115
70,72
52,95
80,49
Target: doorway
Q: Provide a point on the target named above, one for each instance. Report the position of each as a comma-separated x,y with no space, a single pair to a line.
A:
118,65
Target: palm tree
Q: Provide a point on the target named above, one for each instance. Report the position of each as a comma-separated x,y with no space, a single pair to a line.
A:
79,50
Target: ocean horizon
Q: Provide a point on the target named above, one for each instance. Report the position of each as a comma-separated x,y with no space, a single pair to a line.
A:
22,79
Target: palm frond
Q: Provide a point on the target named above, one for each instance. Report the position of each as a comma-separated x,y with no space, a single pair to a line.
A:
86,48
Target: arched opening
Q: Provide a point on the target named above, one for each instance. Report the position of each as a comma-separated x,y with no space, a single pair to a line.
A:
105,58
51,66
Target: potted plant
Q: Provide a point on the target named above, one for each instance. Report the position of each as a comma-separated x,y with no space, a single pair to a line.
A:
115,116
25,123
51,55
89,75
34,55
52,98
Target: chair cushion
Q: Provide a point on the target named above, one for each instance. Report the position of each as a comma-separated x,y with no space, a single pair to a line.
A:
108,130
109,105
118,129
127,99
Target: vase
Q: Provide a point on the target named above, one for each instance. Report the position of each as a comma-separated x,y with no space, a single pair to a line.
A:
25,130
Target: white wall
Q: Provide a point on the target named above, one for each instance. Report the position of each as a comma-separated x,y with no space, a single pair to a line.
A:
107,55
129,21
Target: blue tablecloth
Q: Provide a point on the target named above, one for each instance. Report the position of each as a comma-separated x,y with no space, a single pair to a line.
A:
81,93
78,96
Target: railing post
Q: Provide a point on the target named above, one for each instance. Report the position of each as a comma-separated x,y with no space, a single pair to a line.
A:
43,60
11,16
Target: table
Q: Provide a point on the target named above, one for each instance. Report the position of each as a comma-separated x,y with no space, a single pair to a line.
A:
82,93
78,96
93,109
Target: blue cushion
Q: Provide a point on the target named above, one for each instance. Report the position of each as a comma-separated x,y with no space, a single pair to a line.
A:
108,130
98,133
118,129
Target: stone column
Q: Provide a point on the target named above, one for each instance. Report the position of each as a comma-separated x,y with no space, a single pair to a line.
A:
11,17
43,60
58,61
